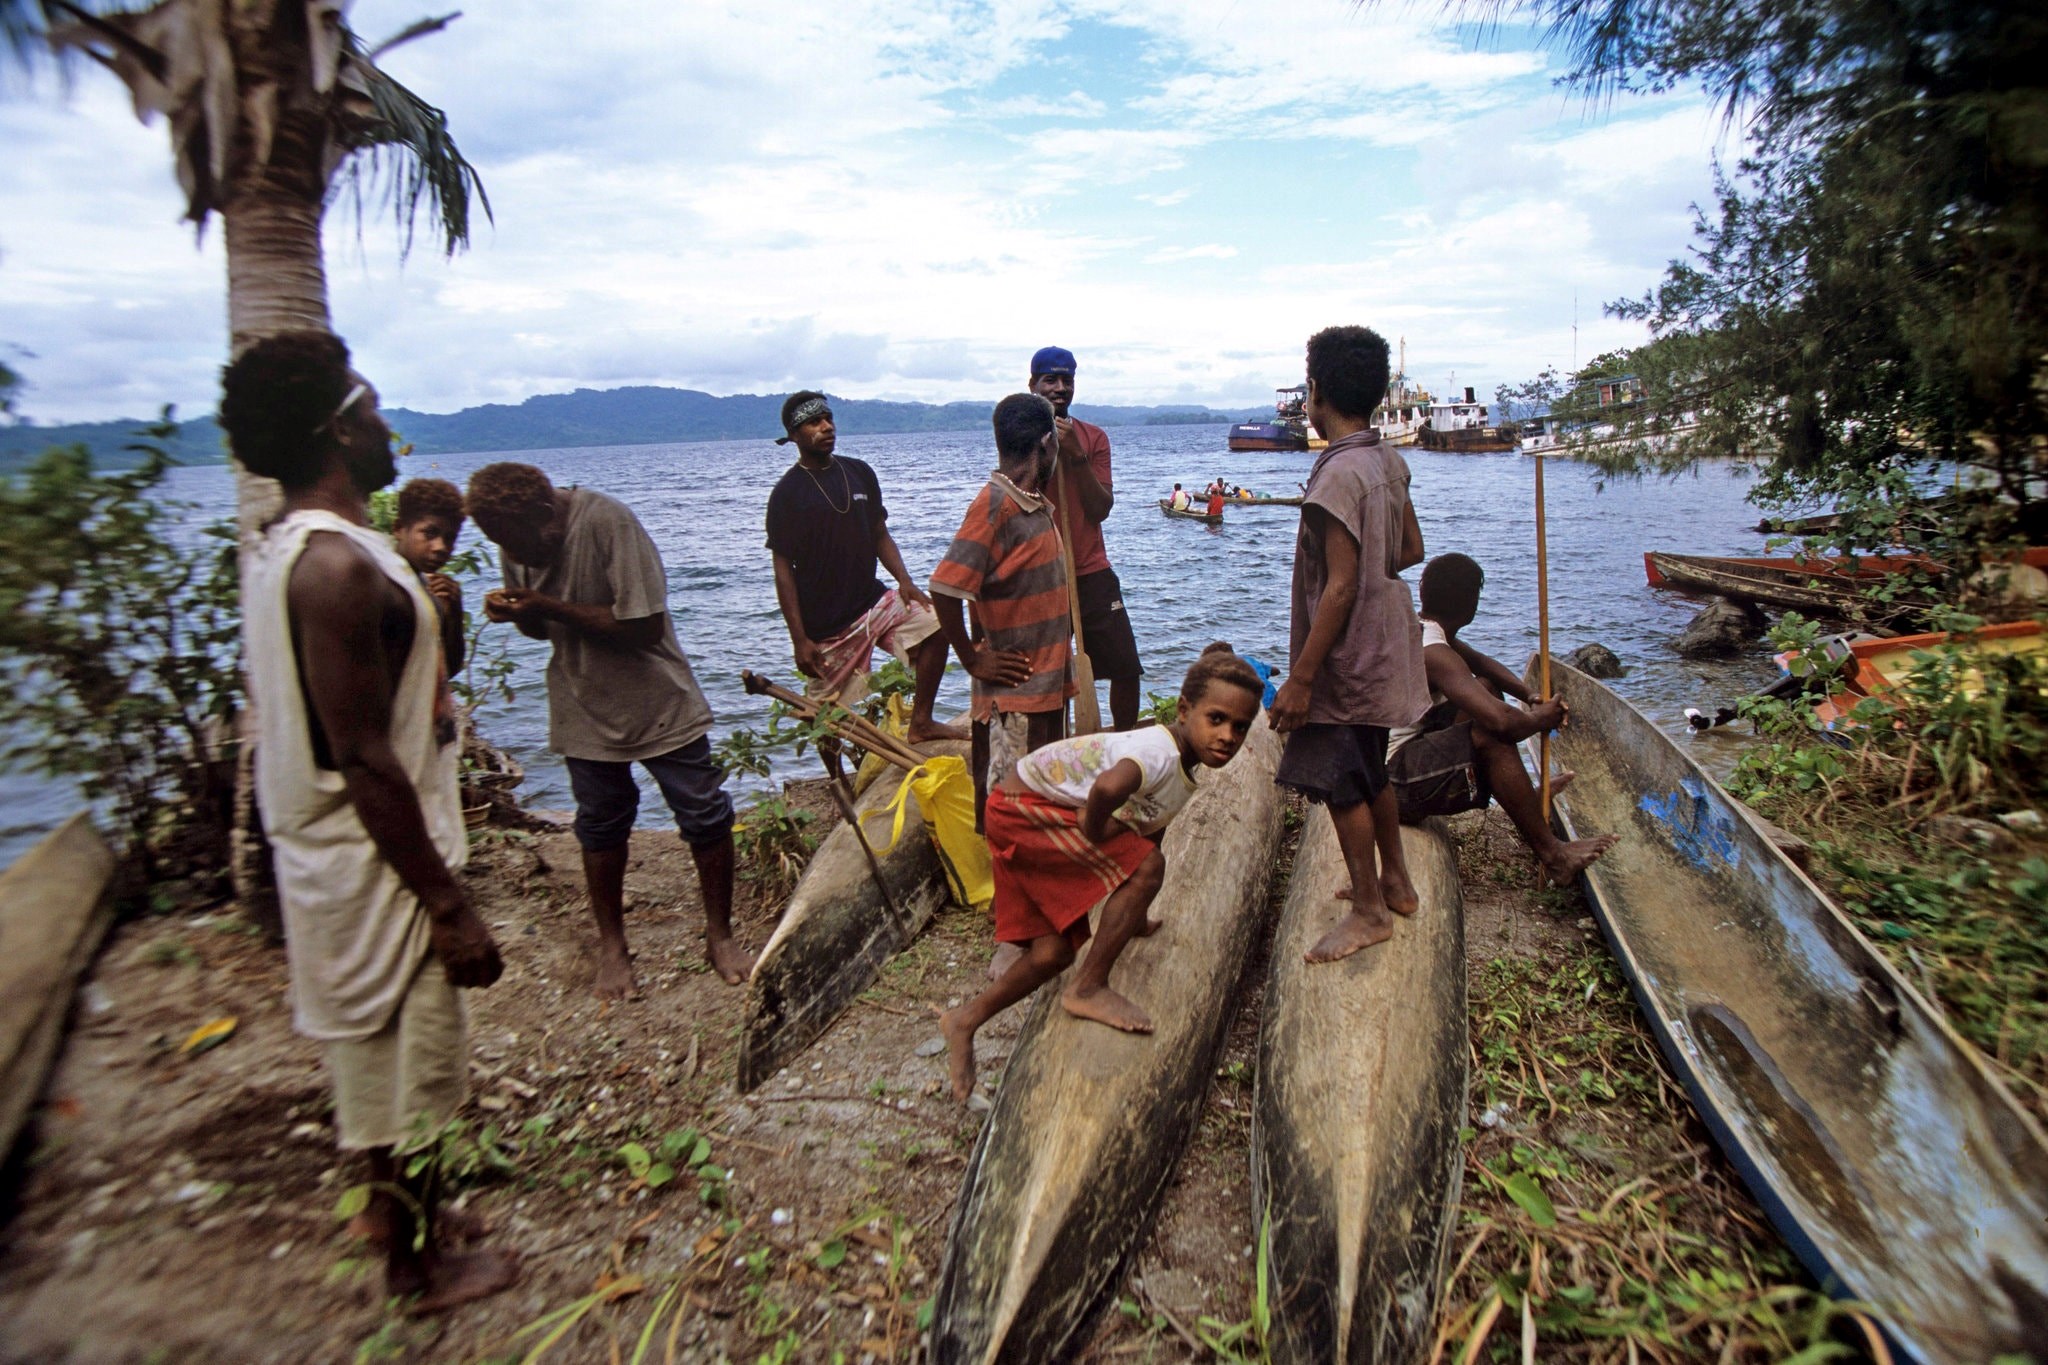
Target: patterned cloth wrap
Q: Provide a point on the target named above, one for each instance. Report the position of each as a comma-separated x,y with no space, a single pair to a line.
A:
1048,874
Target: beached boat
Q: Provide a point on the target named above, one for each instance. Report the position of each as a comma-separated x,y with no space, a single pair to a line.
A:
1073,1162
1460,426
1356,1158
1891,1160
1821,585
1191,512
1287,431
1878,666
55,908
837,931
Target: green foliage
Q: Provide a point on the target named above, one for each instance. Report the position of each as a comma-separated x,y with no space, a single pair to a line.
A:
685,1152
119,641
773,840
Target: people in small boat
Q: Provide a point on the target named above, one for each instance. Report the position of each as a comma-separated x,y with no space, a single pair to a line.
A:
1462,753
1083,488
1078,824
343,651
582,574
1004,565
1215,503
1355,647
1178,500
828,530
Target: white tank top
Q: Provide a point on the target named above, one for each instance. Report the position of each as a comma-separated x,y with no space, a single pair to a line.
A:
354,934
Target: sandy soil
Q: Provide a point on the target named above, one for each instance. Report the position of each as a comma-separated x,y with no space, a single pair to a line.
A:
182,1208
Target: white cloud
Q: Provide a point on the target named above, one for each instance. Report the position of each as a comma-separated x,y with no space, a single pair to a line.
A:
1208,251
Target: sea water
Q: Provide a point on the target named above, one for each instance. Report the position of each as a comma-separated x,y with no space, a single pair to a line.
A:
1185,584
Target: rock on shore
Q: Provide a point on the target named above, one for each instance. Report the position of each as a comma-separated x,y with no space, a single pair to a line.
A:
1725,627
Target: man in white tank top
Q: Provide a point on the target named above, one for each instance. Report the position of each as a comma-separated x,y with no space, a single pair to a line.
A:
343,652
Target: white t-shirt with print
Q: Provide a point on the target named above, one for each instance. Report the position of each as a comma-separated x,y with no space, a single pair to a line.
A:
1065,772
1432,634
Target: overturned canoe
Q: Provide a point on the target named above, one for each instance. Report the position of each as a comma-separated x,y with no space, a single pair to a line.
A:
837,931
1356,1161
55,909
1073,1161
1887,1155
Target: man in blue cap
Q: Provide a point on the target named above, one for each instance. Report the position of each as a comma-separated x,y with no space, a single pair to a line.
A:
1085,501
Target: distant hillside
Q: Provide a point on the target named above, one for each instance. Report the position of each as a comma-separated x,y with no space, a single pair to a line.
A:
594,417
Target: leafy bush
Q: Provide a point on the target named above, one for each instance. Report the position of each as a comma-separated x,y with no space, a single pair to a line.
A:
119,646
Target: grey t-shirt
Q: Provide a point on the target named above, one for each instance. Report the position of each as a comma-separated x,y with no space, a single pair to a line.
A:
1373,674
609,701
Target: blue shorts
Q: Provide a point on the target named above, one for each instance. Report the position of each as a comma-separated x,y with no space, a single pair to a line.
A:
607,797
1335,765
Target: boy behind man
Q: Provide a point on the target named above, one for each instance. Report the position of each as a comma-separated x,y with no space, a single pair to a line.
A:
1462,752
582,574
1354,642
362,813
428,520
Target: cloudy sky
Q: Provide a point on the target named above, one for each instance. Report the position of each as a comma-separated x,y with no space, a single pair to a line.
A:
899,201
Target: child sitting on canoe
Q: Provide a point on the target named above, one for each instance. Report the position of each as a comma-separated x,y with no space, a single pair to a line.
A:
1080,820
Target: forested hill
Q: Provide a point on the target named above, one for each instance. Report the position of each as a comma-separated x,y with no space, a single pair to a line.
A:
593,417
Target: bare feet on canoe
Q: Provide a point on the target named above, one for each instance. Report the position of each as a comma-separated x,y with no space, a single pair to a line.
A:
959,1052
462,1278
614,975
1400,901
1348,935
1150,927
1005,958
1575,857
933,732
728,959
1105,1006
1560,780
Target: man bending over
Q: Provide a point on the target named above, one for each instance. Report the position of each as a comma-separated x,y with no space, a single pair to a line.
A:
1463,751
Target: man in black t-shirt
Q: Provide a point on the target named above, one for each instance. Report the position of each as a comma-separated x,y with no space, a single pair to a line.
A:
827,530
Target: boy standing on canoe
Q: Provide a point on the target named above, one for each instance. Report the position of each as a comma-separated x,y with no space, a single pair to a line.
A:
1005,561
827,530
1462,752
1354,643
1077,824
1082,487
362,811
582,574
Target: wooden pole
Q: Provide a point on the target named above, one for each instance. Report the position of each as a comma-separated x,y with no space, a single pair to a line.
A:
1543,632
853,728
1087,711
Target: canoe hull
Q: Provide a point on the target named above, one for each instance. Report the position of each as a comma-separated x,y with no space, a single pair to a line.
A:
837,933
1894,1164
1187,515
1819,586
1073,1161
1356,1158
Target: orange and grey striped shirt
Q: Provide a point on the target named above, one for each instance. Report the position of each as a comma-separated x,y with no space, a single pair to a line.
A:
1005,559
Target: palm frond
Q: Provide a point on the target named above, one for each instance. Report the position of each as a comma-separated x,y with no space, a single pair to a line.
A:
398,147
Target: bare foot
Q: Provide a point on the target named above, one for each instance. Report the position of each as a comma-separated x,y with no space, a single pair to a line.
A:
1005,958
728,959
1105,1006
1150,927
932,732
1573,858
464,1278
1559,781
1400,896
1349,934
452,1227
959,1052
614,976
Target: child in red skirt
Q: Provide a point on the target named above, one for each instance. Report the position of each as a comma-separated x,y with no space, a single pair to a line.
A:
1077,824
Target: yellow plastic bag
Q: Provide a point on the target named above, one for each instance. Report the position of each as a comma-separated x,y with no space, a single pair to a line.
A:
895,721
945,797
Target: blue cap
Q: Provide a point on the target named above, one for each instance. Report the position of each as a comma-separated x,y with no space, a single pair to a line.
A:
1052,360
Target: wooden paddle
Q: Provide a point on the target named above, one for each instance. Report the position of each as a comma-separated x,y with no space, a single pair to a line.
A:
1087,712
1543,633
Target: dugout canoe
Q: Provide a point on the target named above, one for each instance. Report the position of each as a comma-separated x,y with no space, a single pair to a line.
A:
1818,585
55,908
1073,1161
837,932
1891,1160
1189,514
1363,1066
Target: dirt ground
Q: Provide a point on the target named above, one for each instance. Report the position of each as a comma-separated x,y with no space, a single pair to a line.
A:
182,1207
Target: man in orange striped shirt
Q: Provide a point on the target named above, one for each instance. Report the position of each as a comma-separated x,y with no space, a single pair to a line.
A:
1005,560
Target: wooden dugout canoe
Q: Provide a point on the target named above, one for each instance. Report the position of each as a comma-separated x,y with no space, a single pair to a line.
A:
836,933
1892,1162
1072,1162
1189,514
1817,585
1363,1066
55,909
